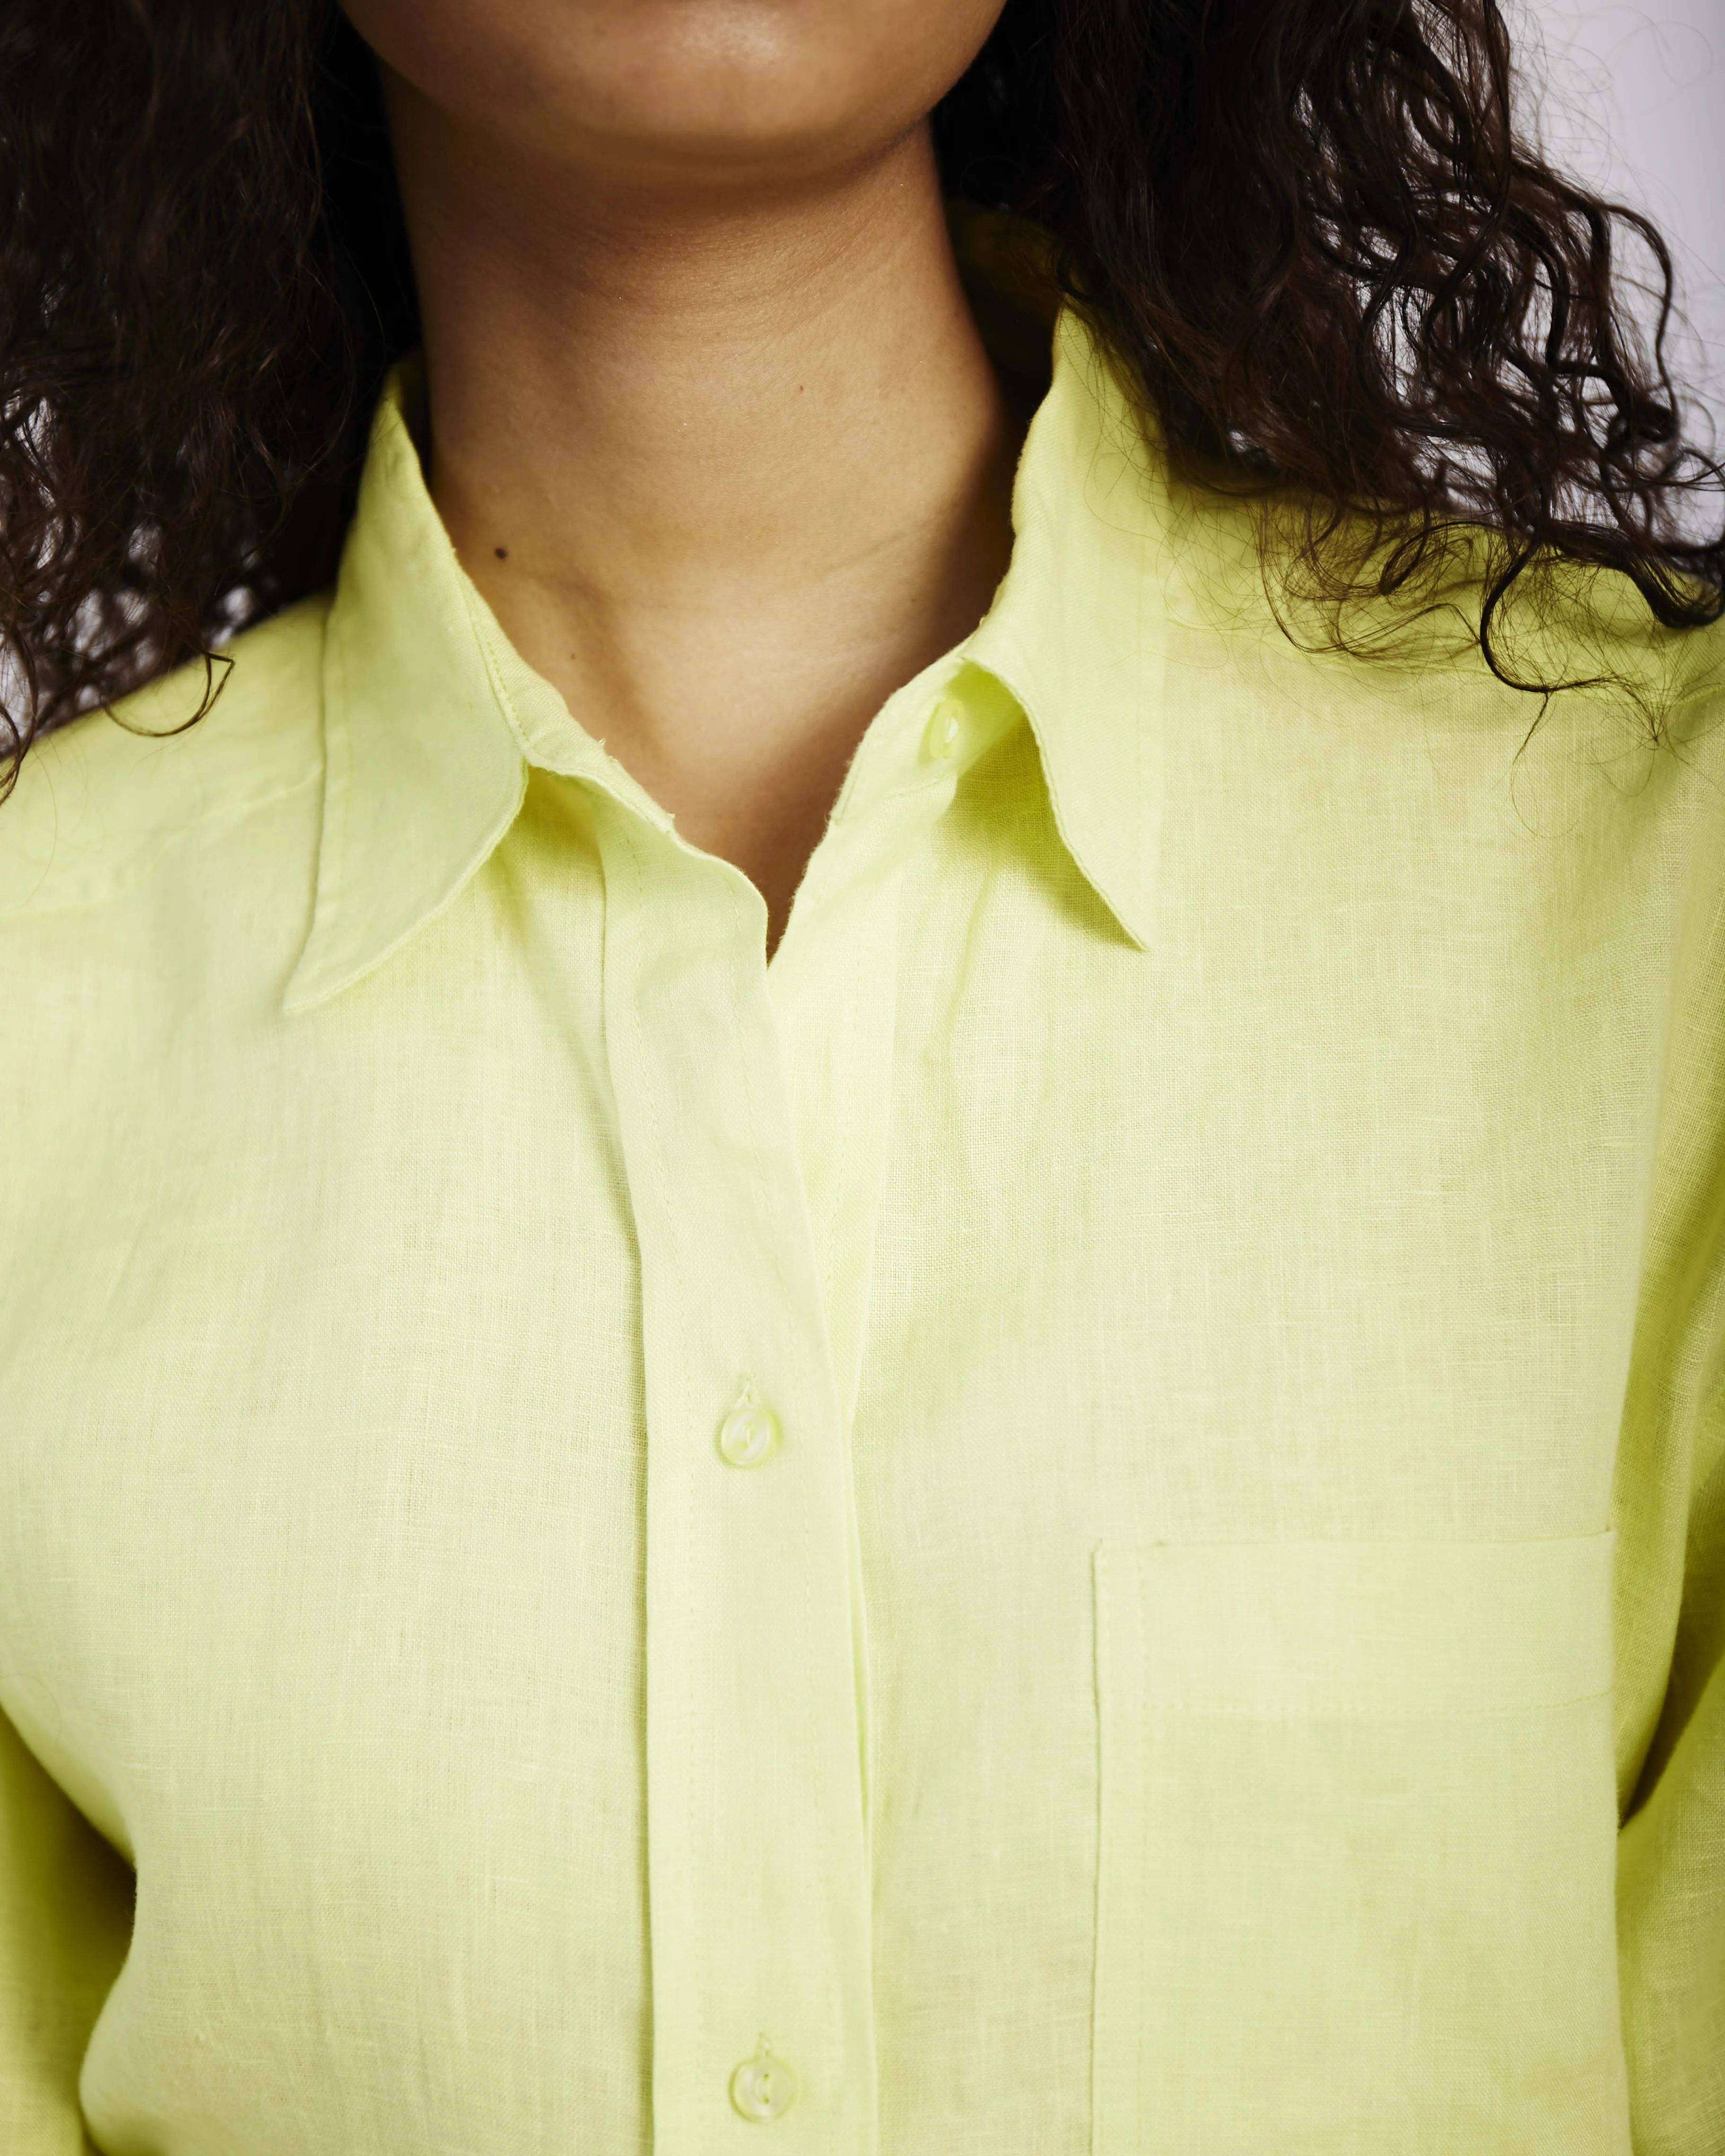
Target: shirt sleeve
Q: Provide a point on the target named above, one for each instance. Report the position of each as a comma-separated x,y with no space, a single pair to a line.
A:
65,1921
1671,1859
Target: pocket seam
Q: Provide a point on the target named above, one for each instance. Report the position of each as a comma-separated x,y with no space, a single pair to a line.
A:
1373,1714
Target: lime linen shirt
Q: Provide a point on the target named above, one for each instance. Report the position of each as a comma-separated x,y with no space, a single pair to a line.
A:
1087,1515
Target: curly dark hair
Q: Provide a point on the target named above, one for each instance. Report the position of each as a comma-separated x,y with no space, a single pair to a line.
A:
1308,232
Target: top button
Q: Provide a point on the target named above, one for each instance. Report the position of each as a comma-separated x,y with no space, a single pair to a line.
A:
945,730
763,2088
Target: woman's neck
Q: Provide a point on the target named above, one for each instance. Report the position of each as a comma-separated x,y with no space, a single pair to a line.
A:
728,464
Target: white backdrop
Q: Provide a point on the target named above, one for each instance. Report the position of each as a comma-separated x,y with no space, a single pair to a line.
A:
1632,99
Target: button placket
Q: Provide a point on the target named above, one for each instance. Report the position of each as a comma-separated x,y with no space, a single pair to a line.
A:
751,1630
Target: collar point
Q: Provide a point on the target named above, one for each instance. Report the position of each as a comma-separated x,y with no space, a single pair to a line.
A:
315,979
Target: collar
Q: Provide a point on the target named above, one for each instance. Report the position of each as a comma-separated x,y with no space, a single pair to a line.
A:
426,756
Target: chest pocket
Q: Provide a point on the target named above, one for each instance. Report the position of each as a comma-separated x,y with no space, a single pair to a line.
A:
1357,1851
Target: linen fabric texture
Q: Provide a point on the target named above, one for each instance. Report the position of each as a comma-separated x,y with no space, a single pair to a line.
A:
1221,1189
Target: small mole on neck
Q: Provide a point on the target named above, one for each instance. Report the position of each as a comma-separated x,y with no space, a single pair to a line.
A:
501,552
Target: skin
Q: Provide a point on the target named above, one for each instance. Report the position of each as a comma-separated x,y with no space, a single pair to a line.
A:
712,428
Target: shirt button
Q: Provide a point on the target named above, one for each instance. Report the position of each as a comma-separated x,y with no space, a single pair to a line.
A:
945,729
763,2088
748,1433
